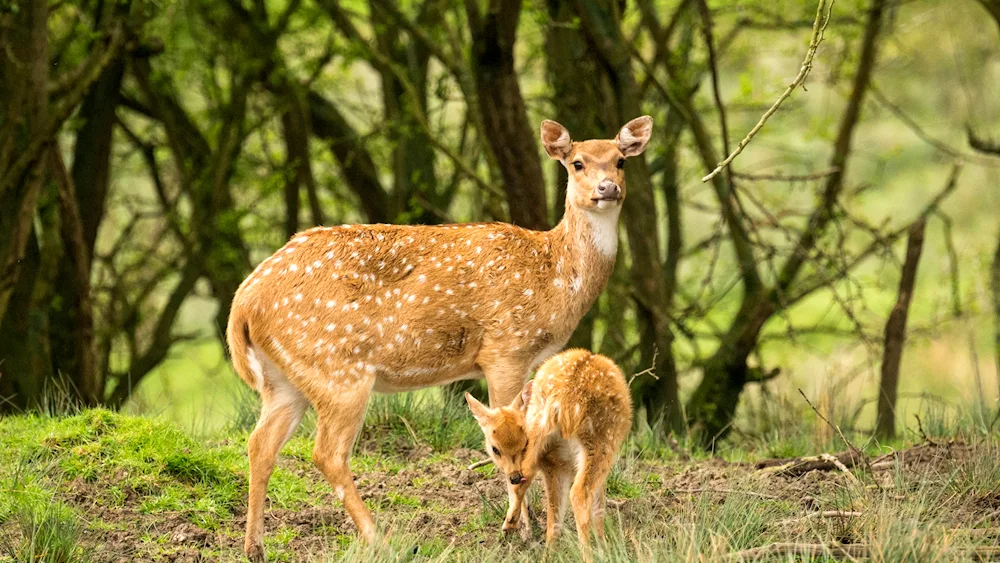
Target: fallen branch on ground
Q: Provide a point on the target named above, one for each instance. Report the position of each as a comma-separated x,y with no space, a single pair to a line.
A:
479,464
802,465
809,549
822,516
847,551
727,492
840,465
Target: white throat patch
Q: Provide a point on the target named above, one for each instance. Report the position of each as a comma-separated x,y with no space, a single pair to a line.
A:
604,231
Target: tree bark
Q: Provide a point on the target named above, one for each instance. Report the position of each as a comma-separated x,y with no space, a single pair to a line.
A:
24,75
88,382
601,22
895,335
575,80
293,178
70,313
505,118
413,156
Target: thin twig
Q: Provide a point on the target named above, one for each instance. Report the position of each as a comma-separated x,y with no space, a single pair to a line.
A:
822,515
786,549
840,465
479,464
727,492
832,425
923,435
814,41
785,177
650,371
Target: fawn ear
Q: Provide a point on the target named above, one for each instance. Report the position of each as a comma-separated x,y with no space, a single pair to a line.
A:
634,135
556,140
521,401
479,410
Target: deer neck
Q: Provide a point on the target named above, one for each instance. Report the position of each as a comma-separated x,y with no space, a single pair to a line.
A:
587,242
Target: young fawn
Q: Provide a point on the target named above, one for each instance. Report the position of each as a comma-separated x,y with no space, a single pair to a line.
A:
568,423
340,312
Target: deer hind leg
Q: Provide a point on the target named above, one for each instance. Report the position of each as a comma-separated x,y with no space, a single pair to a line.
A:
592,473
557,482
282,408
600,507
340,416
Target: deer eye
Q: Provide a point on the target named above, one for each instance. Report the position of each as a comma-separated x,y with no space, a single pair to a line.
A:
496,451
621,163
578,165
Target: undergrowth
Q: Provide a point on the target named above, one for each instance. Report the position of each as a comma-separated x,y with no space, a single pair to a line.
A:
98,485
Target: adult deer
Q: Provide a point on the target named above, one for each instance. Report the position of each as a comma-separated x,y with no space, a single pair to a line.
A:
340,312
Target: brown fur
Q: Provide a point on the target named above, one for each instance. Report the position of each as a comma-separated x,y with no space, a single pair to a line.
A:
568,424
339,312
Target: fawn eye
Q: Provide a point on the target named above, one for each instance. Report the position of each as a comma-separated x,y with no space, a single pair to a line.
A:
578,165
496,451
621,163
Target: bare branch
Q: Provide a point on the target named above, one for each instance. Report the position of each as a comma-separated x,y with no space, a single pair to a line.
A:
819,28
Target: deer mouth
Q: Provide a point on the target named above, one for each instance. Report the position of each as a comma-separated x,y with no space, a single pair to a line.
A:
606,198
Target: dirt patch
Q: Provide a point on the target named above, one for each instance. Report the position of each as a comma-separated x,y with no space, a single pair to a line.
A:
443,499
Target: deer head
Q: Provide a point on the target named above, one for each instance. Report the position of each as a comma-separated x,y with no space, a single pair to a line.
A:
597,167
506,438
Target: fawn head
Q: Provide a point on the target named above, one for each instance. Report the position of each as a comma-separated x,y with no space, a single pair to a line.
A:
506,437
597,167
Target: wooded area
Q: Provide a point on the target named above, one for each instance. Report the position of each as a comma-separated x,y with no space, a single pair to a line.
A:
151,153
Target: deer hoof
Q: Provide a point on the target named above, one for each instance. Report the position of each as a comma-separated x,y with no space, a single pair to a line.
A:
255,552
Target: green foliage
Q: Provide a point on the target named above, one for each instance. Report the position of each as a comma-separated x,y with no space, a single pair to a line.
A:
147,473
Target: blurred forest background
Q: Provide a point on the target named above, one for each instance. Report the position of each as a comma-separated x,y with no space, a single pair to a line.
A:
153,151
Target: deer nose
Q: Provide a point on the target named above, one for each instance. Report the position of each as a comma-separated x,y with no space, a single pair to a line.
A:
607,188
515,479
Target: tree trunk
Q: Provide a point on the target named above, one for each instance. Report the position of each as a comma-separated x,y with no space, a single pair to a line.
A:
87,382
413,154
601,22
712,406
505,118
72,336
24,74
292,177
576,84
895,336
356,163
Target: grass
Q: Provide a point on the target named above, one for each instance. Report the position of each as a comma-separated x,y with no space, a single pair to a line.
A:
98,485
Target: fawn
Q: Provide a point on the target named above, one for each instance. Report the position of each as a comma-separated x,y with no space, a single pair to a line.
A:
568,423
340,312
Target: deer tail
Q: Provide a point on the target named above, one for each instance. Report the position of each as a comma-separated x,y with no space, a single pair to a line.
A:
241,353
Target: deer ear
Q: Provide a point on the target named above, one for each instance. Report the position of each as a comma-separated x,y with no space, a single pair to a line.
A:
479,410
556,140
634,135
521,401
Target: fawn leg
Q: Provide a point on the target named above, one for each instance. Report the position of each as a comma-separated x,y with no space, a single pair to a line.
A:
557,482
504,380
513,519
280,414
591,474
600,506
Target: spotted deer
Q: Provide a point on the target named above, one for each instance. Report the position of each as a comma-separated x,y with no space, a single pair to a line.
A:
568,424
340,312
